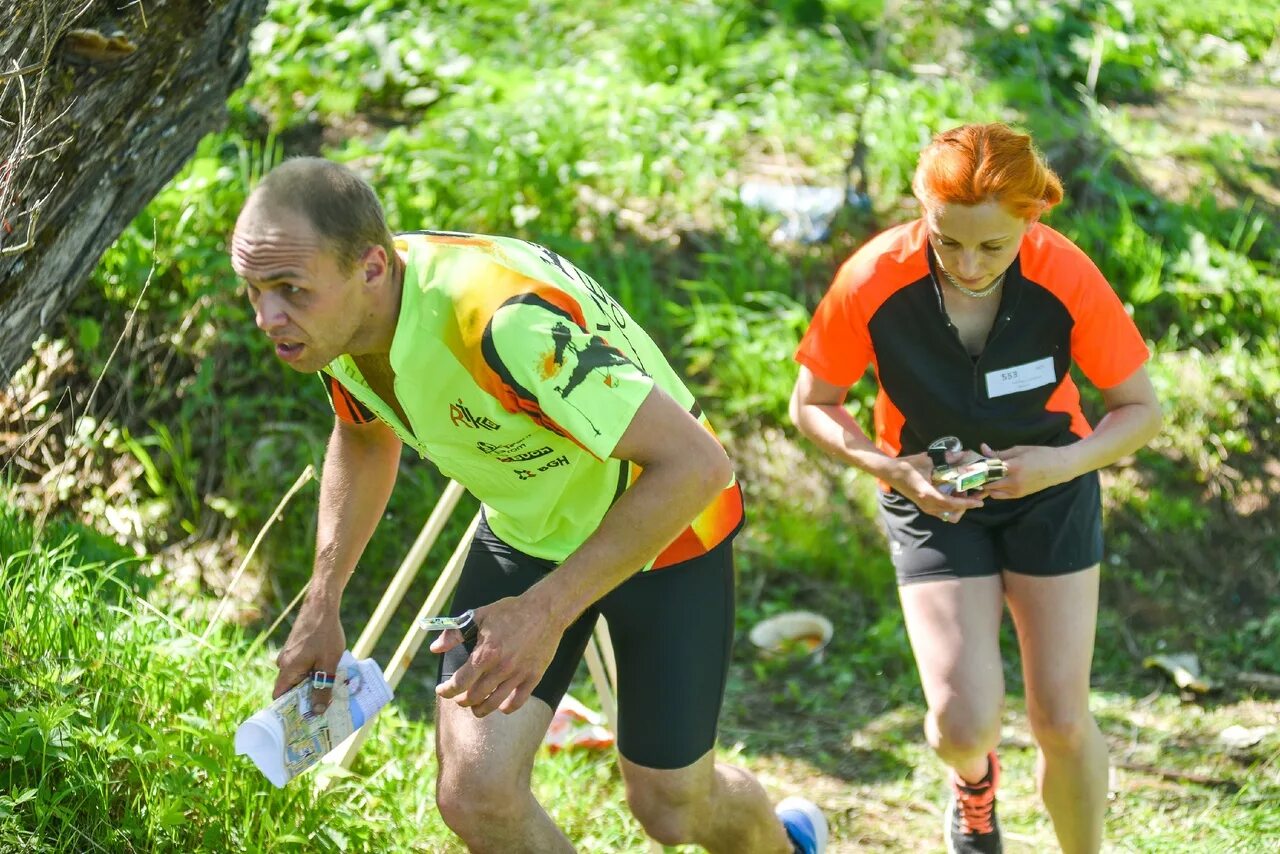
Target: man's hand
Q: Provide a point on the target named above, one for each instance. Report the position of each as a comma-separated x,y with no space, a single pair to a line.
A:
913,478
316,643
515,645
1029,469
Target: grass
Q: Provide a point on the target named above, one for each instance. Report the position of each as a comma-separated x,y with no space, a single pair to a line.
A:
116,723
617,133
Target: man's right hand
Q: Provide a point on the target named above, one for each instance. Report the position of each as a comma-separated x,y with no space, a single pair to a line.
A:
316,643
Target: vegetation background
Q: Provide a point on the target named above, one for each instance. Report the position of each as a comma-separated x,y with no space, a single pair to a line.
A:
147,443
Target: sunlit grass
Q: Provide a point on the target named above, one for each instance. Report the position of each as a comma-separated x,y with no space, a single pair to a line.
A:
618,133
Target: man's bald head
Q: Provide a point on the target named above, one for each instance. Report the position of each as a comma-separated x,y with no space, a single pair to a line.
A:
342,207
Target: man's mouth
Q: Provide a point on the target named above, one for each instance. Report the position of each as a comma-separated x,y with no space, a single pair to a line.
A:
288,351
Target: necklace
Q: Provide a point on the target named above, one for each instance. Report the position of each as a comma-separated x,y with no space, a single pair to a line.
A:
982,294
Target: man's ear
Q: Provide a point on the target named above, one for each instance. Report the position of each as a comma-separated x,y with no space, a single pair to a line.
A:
374,262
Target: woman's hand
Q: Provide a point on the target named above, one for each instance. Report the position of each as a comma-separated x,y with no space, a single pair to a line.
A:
1029,469
913,478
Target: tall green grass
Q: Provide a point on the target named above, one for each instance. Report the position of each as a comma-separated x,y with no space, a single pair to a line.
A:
116,726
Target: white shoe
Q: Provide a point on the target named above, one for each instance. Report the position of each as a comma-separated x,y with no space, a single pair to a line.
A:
805,824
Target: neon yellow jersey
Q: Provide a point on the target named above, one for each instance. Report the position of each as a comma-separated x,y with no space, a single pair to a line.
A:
518,375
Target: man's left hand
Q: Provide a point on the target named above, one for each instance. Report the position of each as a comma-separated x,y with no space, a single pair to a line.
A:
1029,469
514,647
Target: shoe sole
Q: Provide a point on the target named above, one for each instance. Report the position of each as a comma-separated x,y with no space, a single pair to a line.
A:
811,811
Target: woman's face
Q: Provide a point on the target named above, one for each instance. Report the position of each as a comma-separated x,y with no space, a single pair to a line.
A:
975,243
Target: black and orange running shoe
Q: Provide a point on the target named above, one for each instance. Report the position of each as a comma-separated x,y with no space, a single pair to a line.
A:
971,826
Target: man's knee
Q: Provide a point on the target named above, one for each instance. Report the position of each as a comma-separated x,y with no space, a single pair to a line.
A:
669,808
964,729
474,804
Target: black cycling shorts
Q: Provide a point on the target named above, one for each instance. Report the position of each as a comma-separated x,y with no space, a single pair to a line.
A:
672,631
1052,532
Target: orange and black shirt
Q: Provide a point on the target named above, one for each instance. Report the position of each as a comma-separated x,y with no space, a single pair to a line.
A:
885,309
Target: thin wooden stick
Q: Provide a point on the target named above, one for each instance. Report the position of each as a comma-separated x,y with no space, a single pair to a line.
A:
408,571
600,677
1178,776
307,474
603,638
436,599
345,753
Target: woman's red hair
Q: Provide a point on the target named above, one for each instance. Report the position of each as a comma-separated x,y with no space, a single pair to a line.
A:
973,164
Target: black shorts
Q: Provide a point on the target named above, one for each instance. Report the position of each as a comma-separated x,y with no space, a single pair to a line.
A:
672,631
1052,532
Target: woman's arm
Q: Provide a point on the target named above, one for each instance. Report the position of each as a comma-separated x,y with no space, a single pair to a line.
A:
1133,418
817,408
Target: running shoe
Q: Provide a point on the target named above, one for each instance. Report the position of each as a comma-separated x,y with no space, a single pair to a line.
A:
805,824
971,826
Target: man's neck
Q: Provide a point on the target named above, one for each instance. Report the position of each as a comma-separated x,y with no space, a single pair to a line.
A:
386,316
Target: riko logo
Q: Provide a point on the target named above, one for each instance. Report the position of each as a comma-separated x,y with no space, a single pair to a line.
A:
459,414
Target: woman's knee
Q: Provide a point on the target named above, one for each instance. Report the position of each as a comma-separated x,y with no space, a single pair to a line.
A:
1061,730
961,730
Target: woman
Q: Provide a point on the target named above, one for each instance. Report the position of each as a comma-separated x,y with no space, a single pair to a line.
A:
972,316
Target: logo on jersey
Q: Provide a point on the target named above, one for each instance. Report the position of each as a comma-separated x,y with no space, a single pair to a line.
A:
526,456
525,474
459,414
595,355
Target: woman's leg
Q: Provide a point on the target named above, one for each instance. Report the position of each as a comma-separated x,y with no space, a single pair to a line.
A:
954,627
1056,617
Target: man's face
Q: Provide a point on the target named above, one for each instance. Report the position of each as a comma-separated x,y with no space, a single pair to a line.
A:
302,299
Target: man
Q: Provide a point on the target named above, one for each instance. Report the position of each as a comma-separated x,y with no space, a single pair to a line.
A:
604,491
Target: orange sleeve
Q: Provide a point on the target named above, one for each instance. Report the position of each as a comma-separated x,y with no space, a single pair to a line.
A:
344,404
837,346
1105,342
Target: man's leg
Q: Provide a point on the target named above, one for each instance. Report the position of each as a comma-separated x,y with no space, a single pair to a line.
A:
954,627
1056,617
718,806
483,790
672,631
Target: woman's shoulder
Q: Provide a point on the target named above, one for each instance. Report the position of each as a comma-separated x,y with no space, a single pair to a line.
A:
891,259
1050,254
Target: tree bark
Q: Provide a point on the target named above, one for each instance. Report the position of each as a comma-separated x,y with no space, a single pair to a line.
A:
101,103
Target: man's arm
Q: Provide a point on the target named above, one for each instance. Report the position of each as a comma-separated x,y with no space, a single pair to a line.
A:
359,472
684,469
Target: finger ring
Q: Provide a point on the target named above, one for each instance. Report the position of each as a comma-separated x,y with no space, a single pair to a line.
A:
946,516
321,679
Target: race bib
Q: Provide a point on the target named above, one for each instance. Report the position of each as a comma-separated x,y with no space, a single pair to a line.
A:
1021,377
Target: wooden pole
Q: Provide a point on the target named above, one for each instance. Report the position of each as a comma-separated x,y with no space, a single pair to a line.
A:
345,753
408,571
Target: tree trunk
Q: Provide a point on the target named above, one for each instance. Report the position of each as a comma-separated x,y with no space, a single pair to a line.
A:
101,103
